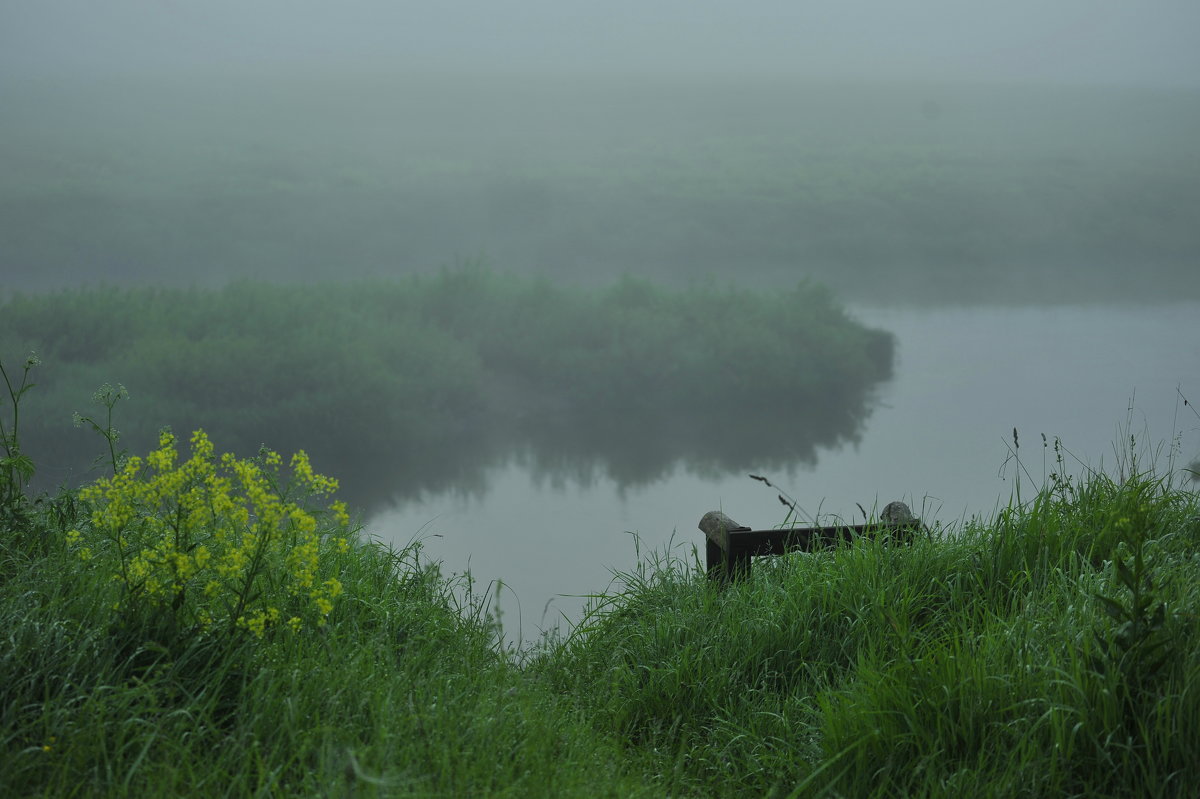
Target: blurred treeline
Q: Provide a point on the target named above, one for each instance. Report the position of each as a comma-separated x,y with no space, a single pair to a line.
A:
922,193
404,385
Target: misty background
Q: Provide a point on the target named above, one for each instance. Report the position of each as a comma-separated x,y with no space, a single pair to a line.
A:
922,151
1092,42
1012,189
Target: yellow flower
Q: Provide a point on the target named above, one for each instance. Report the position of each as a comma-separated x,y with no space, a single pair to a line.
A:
302,469
201,446
256,624
340,514
164,457
224,523
303,521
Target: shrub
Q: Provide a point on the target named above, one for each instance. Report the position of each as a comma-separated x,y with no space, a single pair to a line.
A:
213,544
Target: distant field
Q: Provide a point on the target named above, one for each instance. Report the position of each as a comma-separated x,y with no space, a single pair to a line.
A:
901,193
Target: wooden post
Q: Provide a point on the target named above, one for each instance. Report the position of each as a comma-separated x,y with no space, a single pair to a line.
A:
721,559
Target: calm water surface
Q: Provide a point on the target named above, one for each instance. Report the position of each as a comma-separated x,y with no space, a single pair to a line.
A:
940,438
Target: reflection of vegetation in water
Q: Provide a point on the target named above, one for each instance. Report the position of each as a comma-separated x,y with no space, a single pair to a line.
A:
415,385
641,450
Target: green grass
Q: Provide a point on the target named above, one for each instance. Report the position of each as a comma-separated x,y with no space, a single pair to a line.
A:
1051,651
974,662
399,693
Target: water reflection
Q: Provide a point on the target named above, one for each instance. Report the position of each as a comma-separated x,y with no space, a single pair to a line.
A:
631,448
938,437
628,451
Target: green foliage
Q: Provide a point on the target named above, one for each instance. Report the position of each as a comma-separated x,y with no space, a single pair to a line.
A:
404,383
1144,637
400,693
16,468
107,397
123,673
212,544
976,662
1054,651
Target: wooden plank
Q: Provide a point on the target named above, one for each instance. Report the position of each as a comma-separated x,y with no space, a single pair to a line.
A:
729,545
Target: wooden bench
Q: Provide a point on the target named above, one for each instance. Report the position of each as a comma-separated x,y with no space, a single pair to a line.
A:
731,545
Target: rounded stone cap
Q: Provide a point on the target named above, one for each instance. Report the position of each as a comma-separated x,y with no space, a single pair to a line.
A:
897,513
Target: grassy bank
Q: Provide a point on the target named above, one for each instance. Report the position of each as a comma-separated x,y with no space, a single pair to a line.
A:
1054,650
411,382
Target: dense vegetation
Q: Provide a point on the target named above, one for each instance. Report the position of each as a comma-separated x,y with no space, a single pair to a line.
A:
1052,651
407,384
918,193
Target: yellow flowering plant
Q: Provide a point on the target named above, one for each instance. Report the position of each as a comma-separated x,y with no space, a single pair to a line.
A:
217,543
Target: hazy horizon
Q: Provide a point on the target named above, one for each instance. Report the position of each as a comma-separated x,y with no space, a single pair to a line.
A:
1080,42
936,150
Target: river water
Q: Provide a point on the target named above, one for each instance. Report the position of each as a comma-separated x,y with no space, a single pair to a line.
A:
940,438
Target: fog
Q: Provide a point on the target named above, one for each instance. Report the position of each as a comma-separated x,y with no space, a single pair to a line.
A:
917,158
924,152
1099,42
